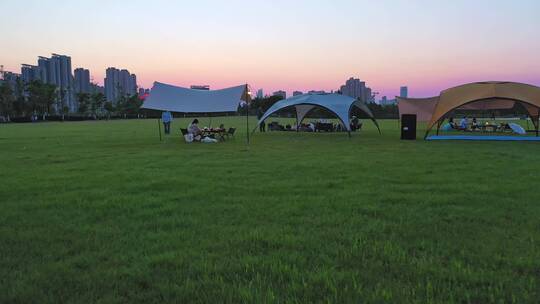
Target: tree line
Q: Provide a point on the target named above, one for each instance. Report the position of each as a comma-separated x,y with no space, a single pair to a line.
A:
38,98
26,99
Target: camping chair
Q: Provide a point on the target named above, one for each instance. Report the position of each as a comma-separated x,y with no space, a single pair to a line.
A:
184,133
230,132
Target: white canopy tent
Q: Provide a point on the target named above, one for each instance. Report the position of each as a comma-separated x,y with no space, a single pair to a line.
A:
165,97
339,105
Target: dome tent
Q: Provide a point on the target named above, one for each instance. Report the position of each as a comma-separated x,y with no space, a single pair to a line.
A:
479,96
339,105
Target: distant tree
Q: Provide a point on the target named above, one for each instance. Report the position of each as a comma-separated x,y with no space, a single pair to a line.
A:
120,106
129,105
49,92
133,105
97,101
109,108
7,100
264,103
20,106
41,96
84,101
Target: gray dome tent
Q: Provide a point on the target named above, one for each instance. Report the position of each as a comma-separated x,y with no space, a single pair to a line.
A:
339,105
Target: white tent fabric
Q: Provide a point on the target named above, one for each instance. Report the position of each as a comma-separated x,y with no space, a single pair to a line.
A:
302,110
340,105
165,97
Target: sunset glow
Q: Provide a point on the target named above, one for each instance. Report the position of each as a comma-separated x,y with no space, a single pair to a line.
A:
426,45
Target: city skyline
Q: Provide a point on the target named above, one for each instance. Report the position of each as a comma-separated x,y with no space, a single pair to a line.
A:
436,46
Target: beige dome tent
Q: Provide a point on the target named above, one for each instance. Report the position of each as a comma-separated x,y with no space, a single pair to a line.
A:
492,95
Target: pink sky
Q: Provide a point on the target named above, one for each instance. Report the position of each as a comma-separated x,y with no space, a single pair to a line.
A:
301,45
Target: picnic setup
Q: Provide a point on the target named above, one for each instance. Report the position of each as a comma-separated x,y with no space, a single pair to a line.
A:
490,110
340,106
493,110
169,98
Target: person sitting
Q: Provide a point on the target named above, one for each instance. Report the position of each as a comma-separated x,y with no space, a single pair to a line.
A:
463,123
194,130
475,124
452,123
355,124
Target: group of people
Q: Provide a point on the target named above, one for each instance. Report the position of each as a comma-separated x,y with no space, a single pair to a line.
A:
316,126
473,125
193,130
167,118
464,124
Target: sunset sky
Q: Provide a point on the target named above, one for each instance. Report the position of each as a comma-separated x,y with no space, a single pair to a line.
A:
428,45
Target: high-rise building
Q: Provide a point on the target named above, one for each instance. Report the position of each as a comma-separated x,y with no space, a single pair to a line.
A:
11,79
64,79
44,65
30,73
404,92
56,71
370,98
112,76
260,93
119,83
296,93
386,102
82,80
356,89
280,93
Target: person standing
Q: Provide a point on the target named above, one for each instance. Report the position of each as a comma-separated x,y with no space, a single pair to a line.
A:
262,126
166,118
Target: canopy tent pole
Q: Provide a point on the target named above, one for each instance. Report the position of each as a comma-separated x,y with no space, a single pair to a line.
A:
297,122
159,129
247,122
537,124
438,126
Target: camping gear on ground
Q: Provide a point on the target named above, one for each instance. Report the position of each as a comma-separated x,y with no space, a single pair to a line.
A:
447,127
208,140
188,138
517,128
323,126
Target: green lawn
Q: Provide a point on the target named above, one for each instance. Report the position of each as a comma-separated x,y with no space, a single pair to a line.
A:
104,212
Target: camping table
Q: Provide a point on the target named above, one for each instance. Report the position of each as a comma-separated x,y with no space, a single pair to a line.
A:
219,133
488,128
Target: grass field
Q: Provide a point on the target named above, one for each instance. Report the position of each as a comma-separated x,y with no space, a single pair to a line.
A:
103,212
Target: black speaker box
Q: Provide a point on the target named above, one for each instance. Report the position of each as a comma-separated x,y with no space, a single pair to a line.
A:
408,126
